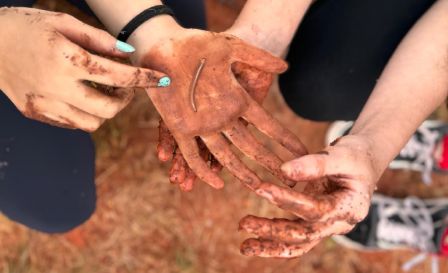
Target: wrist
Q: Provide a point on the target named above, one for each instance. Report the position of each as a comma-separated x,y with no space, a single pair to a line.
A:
379,151
257,39
365,151
116,14
153,33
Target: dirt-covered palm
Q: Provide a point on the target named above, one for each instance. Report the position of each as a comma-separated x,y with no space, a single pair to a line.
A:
257,83
341,180
215,110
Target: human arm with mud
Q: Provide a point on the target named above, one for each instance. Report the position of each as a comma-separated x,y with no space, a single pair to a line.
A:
208,98
343,176
265,24
268,24
48,71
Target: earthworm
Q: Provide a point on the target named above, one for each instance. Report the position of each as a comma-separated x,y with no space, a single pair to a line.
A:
194,83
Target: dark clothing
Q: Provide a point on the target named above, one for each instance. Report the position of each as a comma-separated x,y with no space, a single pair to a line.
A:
16,3
340,51
46,173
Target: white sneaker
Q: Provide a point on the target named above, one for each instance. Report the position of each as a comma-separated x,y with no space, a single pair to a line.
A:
426,151
409,223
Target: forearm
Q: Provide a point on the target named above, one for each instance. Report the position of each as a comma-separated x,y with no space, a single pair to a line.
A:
116,14
270,24
413,85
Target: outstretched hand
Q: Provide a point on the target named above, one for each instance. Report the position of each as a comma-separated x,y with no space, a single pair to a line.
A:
341,180
257,84
206,102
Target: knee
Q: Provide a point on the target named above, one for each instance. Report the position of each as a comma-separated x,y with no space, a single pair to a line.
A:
51,217
316,97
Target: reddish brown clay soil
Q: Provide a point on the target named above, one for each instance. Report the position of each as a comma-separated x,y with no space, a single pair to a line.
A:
144,224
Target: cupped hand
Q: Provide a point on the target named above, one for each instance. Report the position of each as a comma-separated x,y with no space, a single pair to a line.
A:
48,72
206,102
341,179
257,84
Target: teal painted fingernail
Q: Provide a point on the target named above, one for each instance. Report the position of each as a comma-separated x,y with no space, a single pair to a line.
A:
164,82
124,47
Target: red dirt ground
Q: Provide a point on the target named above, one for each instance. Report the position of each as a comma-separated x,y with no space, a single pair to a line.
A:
144,224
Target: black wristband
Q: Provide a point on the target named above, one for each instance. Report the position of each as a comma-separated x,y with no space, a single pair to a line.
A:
141,18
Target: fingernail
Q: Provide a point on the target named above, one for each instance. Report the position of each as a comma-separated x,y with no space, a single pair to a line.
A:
164,82
124,47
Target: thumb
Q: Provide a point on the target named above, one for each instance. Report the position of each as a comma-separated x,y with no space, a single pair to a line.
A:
91,38
306,168
256,57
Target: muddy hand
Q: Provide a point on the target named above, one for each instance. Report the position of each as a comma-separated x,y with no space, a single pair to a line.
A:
342,179
205,101
50,75
256,83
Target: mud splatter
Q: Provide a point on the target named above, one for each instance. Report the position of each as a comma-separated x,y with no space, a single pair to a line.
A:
83,59
32,112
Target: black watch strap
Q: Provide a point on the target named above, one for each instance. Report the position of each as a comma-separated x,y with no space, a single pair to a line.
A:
141,18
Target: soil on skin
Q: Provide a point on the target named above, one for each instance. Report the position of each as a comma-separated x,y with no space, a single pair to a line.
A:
144,224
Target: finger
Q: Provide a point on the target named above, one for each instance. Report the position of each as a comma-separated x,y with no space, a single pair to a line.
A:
272,128
82,120
256,57
220,148
240,136
289,231
104,71
336,166
275,229
190,152
270,249
183,174
255,82
167,143
188,182
61,114
89,37
49,118
95,102
304,206
177,172
309,167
